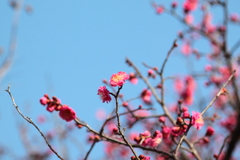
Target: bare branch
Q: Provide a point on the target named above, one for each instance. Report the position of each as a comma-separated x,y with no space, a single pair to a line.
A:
219,93
107,138
31,122
223,145
121,132
168,54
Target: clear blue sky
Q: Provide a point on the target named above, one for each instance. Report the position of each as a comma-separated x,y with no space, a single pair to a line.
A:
66,48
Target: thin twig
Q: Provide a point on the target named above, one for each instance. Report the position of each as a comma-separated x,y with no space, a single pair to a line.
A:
224,143
174,45
8,61
152,90
89,151
219,93
31,122
204,34
110,139
190,145
119,124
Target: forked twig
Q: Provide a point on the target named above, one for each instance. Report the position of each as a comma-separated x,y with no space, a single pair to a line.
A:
31,122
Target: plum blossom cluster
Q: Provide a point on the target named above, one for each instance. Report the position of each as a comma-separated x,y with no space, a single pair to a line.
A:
146,139
186,119
117,79
54,104
182,125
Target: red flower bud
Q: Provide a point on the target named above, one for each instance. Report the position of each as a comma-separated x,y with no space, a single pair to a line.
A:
162,119
210,131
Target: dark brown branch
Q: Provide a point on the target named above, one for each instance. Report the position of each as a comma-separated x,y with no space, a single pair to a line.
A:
223,145
89,151
31,122
121,132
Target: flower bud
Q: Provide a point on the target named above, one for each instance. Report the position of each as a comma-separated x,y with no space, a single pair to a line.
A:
162,119
179,121
210,131
186,115
125,104
115,130
205,140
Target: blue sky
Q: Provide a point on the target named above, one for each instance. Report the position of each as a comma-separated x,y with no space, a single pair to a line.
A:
66,48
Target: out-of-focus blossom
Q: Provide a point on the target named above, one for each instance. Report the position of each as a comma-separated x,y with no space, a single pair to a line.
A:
44,100
41,119
229,123
146,96
178,85
162,119
101,114
186,49
190,5
188,18
208,67
159,9
234,17
174,4
185,89
133,78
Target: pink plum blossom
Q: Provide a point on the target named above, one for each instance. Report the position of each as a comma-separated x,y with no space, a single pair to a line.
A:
197,120
119,79
104,94
67,113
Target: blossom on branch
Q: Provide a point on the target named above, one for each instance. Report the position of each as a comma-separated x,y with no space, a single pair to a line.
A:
43,101
119,79
104,94
67,113
197,120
